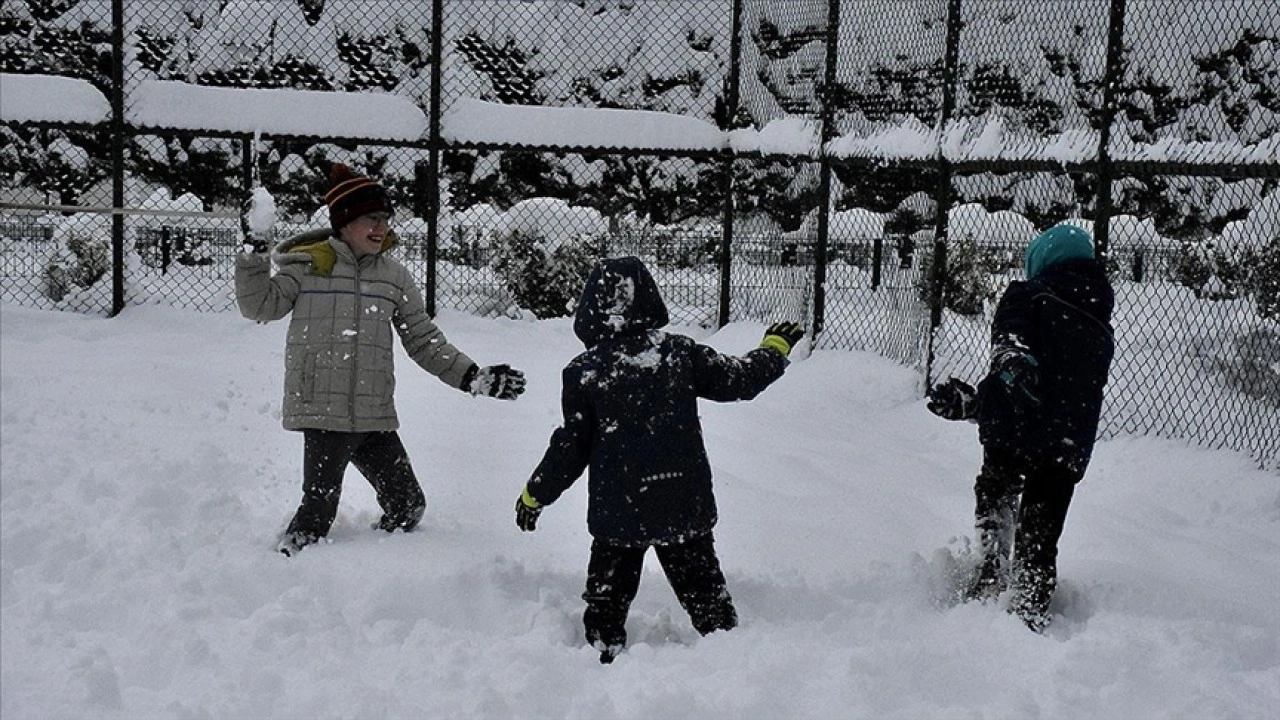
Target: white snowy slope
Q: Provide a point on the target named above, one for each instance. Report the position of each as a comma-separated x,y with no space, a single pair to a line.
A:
144,476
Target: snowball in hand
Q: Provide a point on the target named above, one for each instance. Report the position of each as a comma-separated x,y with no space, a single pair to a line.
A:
262,212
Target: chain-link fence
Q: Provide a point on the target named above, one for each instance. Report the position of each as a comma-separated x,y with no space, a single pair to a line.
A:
876,166
1192,356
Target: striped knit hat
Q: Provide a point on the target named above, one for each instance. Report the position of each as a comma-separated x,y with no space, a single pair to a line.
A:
351,195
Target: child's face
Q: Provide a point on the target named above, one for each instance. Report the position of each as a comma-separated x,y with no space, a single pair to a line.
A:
365,234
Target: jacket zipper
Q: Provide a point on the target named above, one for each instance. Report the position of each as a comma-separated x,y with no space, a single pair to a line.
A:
355,350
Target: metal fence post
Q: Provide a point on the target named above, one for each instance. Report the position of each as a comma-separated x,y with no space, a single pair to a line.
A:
950,77
247,171
1110,90
117,156
827,124
726,245
731,112
431,194
247,174
877,257
166,248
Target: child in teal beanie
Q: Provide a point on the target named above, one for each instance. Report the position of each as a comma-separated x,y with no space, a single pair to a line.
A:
1037,411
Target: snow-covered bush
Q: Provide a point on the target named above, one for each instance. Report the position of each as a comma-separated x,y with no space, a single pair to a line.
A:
466,239
1211,269
980,244
546,283
966,281
543,250
1264,281
1245,362
82,255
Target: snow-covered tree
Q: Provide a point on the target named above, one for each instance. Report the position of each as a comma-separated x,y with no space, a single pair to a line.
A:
208,168
58,163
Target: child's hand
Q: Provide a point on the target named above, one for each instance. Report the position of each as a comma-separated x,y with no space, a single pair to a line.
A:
527,511
500,381
1017,371
953,400
782,336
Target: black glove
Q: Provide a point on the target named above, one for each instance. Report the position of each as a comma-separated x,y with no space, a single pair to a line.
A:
1017,371
782,336
500,381
527,512
954,399
255,244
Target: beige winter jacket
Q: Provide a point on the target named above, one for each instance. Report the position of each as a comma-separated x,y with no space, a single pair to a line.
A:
339,372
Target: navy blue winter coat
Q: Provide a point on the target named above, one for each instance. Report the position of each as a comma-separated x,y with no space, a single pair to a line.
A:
1062,317
631,413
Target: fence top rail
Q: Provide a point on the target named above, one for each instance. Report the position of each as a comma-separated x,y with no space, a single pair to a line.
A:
103,210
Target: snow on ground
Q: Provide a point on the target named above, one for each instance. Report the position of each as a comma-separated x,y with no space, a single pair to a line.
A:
144,476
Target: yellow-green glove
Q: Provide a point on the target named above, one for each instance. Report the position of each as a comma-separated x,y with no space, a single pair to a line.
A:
782,336
527,511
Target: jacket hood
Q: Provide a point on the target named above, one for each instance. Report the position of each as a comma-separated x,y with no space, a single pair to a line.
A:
321,248
1083,284
620,298
296,242
1058,243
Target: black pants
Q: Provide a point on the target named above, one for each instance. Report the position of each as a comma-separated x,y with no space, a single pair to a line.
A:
1021,507
379,456
692,568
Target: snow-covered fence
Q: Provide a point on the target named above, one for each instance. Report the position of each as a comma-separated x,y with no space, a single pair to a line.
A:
768,158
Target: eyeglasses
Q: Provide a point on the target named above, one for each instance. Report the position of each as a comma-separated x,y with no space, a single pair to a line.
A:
375,218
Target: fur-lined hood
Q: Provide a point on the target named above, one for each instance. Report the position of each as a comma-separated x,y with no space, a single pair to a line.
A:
321,248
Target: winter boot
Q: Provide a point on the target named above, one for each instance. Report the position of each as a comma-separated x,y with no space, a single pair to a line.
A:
1033,590
291,543
995,526
609,642
607,652
708,619
402,509
405,521
605,622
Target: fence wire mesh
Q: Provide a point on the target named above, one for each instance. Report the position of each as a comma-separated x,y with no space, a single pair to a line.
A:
978,121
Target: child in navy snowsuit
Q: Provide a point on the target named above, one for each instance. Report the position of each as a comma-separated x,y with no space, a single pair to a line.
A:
630,405
1037,411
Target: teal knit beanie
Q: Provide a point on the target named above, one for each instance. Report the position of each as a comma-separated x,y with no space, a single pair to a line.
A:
1058,243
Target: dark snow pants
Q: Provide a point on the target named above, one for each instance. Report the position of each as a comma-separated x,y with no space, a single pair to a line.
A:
692,568
1021,507
379,456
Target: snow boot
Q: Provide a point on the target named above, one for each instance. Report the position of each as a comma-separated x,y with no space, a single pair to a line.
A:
406,519
291,543
989,581
1033,590
995,519
607,652
995,538
605,632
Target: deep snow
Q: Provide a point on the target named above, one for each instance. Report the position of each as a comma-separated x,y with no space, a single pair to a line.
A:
144,476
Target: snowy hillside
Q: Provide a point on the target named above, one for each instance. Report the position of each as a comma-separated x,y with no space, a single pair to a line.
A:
144,476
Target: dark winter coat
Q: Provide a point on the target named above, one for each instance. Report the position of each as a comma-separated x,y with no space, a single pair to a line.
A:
631,413
339,364
1062,317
